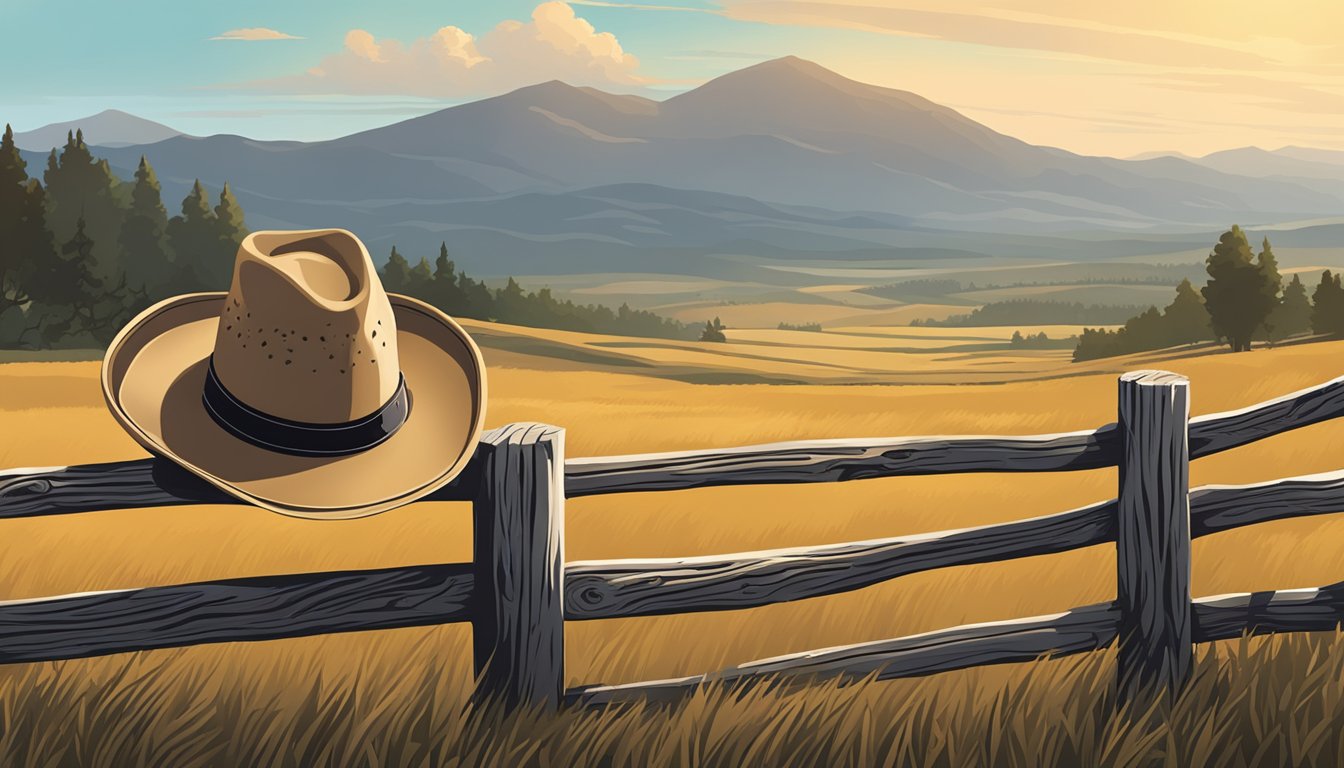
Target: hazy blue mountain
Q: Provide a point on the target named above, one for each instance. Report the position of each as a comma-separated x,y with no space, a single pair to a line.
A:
782,157
109,128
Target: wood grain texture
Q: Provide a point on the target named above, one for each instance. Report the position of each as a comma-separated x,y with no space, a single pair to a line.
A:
261,608
131,485
614,588
1224,617
1215,508
143,483
1217,432
1153,534
603,589
1076,631
816,461
841,460
519,514
1221,617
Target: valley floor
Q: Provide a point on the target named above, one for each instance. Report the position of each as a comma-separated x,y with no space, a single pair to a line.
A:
621,399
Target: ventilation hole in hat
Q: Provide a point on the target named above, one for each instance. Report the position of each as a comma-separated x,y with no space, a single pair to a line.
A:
331,357
342,370
384,343
228,327
375,335
314,370
263,343
287,362
322,339
268,357
305,338
380,322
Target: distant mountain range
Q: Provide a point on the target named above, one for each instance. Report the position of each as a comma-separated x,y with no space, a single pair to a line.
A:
779,159
109,128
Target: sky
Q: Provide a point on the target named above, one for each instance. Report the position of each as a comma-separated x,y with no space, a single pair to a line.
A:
1091,76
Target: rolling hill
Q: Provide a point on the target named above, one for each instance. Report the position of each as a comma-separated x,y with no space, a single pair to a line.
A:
779,159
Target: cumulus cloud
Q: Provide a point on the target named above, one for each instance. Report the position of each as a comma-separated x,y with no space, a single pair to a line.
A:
255,33
555,43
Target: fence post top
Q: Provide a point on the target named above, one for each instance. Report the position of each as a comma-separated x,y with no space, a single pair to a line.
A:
1154,378
521,433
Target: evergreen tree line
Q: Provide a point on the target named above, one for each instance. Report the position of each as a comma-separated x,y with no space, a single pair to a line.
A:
454,292
1033,312
81,251
1244,300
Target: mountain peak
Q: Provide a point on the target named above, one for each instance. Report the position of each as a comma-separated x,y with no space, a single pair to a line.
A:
109,128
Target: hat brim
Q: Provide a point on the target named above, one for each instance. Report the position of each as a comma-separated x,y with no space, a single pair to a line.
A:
153,377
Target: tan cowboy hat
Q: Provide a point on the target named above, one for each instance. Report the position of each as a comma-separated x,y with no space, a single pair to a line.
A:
306,389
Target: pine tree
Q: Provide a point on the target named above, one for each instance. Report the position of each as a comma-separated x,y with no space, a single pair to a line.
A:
1236,295
16,262
422,280
1327,314
81,186
1293,315
511,304
192,238
445,293
1271,288
230,230
76,303
396,273
144,235
1186,319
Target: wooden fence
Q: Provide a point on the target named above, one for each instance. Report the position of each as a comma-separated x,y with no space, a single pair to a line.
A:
518,591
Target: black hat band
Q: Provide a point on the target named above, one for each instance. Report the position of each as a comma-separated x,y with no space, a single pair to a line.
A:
297,438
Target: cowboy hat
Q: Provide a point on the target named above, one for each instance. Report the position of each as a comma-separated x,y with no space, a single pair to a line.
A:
306,389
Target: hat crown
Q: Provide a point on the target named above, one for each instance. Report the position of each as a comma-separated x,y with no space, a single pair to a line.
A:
307,333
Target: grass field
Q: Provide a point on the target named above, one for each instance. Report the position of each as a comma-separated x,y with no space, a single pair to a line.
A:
395,697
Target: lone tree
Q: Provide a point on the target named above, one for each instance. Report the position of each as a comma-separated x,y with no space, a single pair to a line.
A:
713,331
1238,295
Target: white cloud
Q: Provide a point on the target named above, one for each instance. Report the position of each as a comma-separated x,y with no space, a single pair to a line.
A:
255,33
554,44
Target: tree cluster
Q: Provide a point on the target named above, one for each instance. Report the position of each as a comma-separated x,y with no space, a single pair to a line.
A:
456,293
1040,340
1184,321
1243,300
1034,312
714,331
82,250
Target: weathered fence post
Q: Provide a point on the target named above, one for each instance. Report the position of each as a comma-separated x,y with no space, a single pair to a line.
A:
519,521
1153,534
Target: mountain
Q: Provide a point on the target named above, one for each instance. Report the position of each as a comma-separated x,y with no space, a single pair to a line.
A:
783,156
109,128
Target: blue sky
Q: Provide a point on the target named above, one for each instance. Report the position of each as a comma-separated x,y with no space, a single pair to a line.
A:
1087,75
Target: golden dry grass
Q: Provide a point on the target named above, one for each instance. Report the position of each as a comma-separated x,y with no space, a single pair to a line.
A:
393,698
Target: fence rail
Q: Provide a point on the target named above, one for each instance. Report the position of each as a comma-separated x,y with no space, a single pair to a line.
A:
518,591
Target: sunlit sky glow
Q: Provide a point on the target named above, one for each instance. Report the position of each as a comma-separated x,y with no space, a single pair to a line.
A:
1092,76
